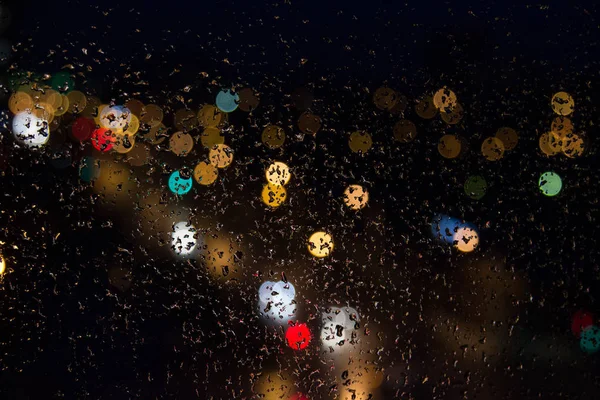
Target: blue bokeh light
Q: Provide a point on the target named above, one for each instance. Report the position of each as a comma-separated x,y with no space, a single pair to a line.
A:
444,228
178,184
227,100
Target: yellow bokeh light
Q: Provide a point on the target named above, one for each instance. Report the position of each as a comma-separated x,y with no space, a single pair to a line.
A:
562,103
135,106
278,173
466,239
453,115
124,143
77,102
19,102
273,136
356,197
320,244
151,115
2,265
221,155
44,111
425,108
211,136
273,195
509,137
133,126
219,256
562,126
449,146
360,142
444,99
209,116
97,117
492,149
385,98
63,107
205,173
275,385
51,97
573,145
309,123
405,131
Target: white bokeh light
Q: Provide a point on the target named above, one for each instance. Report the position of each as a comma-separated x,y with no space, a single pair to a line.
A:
338,323
30,130
276,301
183,240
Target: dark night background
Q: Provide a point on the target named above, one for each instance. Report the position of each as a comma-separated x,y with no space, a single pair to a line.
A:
65,333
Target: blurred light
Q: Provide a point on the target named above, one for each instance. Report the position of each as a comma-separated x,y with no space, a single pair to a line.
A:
492,149
209,116
103,139
336,322
222,257
248,100
205,173
19,102
152,115
115,117
89,169
62,82
30,130
549,143
135,106
449,146
320,244
550,183
509,137
82,128
278,173
183,240
276,301
425,108
274,385
227,101
475,187
299,396
590,339
360,142
562,103
298,336
220,155
178,184
356,197
77,101
405,131
273,195
385,98
309,123
453,115
444,99
562,126
573,145
211,136
466,239
181,143
581,320
273,136
124,143
2,265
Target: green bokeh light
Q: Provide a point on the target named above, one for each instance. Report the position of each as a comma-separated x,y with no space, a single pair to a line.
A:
550,183
475,187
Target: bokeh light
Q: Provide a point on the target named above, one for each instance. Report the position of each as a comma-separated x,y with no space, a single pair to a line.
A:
590,339
449,146
30,130
181,143
492,149
405,131
273,195
320,244
444,99
475,187
278,173
562,103
356,197
179,184
227,101
550,183
273,136
298,336
509,137
103,139
221,155
205,173
276,301
360,142
581,320
183,238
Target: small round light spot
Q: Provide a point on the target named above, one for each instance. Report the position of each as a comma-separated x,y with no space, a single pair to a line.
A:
320,244
550,183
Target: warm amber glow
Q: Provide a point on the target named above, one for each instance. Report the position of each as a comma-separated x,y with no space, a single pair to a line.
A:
508,136
453,115
220,155
124,143
152,115
278,173
205,173
548,143
425,108
444,99
19,102
405,131
309,123
360,142
449,146
385,98
573,145
273,195
209,116
466,239
562,103
356,197
320,244
77,102
2,265
492,149
273,136
211,136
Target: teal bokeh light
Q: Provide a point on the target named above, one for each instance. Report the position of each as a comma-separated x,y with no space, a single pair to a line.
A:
550,183
62,82
179,184
227,100
590,339
89,169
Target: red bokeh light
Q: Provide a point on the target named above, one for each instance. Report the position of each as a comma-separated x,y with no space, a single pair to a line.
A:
581,320
298,396
82,128
103,139
298,336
